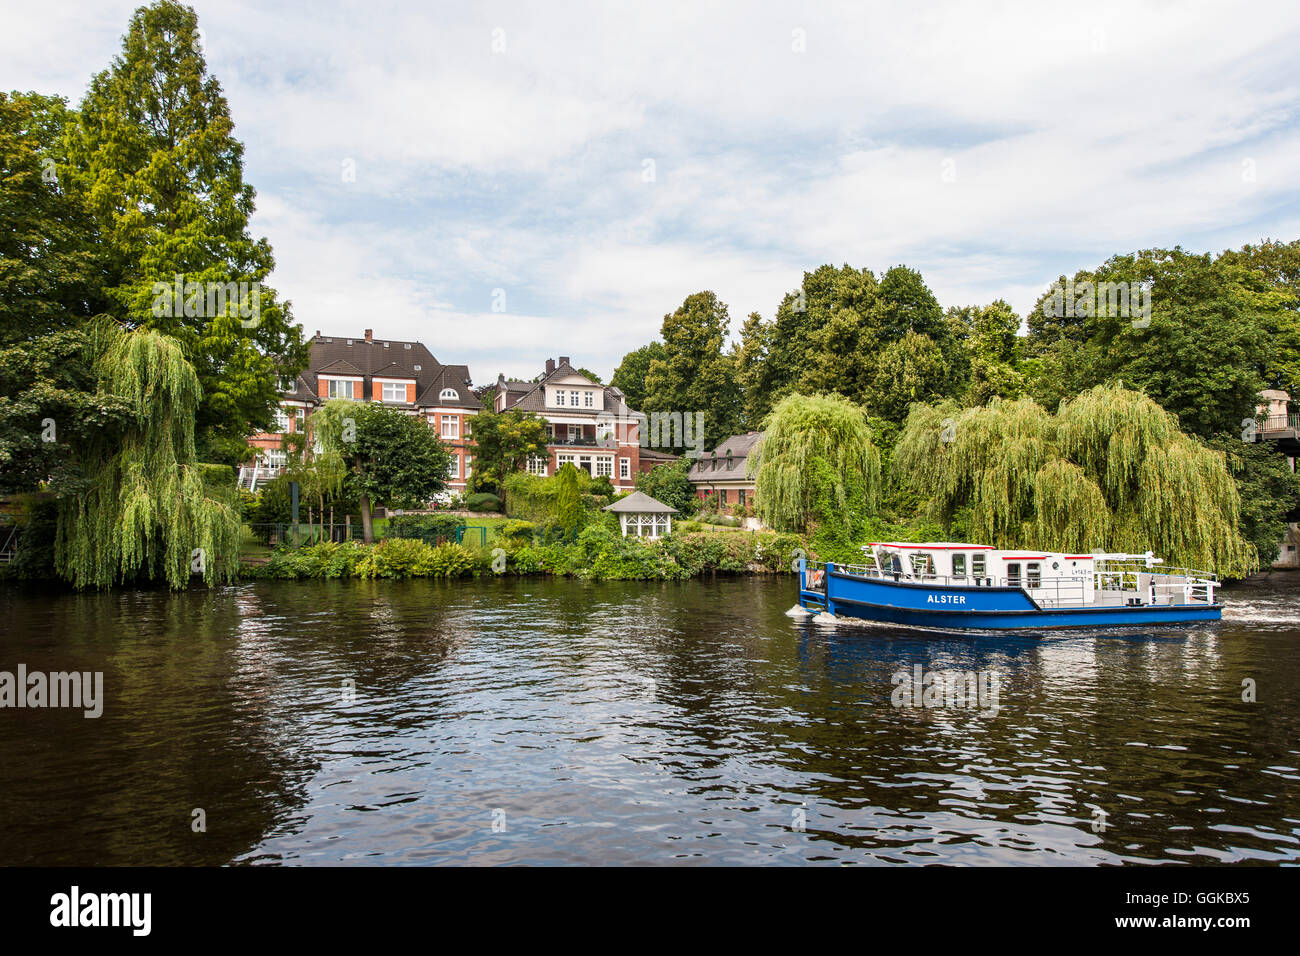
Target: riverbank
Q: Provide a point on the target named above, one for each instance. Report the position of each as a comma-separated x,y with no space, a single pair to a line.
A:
596,554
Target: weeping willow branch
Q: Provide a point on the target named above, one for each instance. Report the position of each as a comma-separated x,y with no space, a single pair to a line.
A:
1111,470
146,507
817,468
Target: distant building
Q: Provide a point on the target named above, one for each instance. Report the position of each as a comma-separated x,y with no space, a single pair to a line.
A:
402,374
590,425
640,516
725,471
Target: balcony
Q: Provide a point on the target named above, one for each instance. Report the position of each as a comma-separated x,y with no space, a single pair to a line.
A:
582,441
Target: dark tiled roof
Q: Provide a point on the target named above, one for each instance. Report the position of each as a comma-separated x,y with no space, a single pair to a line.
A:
649,454
384,358
739,446
531,396
455,377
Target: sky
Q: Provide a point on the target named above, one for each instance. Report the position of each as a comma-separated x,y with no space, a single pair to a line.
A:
508,182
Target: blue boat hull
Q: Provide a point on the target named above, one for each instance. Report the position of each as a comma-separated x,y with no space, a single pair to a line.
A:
979,608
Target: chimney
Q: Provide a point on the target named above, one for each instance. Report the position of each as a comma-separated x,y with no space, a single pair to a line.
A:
550,365
564,360
318,333
370,335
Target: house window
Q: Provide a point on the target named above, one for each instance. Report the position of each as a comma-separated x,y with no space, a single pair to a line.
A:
573,399
722,496
589,399
340,388
455,467
448,395
1034,574
625,468
536,465
559,396
394,392
575,431
450,426
273,458
977,565
605,467
730,465
286,384
959,565
468,460
281,420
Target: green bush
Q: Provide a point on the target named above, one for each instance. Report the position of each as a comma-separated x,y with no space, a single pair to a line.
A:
515,530
726,521
427,528
483,501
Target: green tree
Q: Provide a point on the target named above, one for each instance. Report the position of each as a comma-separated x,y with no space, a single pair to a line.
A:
913,369
1269,491
694,375
154,160
505,441
818,470
1110,471
991,337
1218,331
630,376
669,483
145,508
569,511
388,457
50,402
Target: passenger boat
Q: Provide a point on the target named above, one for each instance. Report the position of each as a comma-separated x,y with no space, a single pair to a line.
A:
977,587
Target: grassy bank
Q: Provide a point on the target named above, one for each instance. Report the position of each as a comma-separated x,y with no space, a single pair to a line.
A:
597,553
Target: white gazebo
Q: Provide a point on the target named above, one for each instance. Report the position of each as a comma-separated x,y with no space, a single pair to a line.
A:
642,516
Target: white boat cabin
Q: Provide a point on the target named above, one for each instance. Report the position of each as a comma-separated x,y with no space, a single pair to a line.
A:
1047,575
1050,577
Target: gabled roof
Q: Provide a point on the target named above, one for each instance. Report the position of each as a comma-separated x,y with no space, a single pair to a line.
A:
531,396
639,502
393,370
342,367
739,447
455,377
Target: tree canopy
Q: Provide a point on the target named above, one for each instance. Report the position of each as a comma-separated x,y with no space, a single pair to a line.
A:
817,468
1111,470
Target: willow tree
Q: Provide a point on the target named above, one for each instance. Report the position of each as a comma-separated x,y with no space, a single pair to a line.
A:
1111,470
818,470
146,508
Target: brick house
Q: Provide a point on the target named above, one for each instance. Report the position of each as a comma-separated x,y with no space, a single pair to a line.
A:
402,374
590,425
725,471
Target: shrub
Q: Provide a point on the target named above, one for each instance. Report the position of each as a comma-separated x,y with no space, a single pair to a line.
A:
483,501
428,528
726,521
516,530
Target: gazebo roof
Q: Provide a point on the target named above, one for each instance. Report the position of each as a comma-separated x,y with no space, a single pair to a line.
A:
639,503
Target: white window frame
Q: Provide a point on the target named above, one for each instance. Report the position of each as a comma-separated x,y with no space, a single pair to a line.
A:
448,395
395,386
449,427
573,397
624,469
559,397
282,420
336,388
469,459
605,467
588,399
454,472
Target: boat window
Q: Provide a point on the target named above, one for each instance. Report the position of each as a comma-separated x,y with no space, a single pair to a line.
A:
977,565
1034,575
959,565
921,563
1013,574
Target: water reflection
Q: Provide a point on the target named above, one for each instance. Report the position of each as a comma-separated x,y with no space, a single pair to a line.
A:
539,721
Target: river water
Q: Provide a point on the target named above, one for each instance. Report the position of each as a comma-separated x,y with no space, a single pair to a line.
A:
555,722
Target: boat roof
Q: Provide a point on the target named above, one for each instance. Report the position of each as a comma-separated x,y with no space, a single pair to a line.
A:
931,545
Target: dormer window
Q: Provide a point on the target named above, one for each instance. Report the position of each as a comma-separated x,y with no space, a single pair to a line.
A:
416,367
730,466
448,395
394,391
